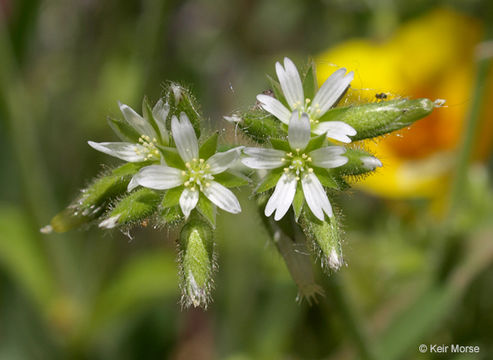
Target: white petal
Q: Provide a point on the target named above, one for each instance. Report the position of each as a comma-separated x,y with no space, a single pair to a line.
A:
160,113
275,107
329,157
299,130
290,81
159,177
331,90
260,158
185,138
315,196
222,197
336,130
221,161
136,121
188,201
132,184
282,197
122,150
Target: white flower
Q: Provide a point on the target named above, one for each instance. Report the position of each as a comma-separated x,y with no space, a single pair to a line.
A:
315,108
297,167
145,149
198,174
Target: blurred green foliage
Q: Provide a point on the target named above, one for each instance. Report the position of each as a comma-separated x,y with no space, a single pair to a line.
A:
411,278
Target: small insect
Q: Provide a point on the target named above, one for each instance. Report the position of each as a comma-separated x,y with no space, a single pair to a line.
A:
381,96
268,92
144,223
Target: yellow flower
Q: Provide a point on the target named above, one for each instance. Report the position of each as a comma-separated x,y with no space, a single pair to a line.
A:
432,56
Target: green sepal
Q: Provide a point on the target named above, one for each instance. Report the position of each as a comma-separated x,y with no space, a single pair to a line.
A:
207,209
269,181
310,85
230,179
261,126
280,144
379,118
171,157
69,218
171,197
277,90
123,130
136,206
209,147
315,142
196,261
298,201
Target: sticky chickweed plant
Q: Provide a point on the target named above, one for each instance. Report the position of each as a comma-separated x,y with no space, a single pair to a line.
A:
300,150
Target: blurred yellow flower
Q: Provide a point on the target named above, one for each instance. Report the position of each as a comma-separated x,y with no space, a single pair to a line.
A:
434,57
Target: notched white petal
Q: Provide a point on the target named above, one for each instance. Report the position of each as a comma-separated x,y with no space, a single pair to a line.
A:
329,157
315,196
188,201
275,107
291,84
122,150
222,197
299,130
336,130
159,177
221,161
136,121
331,90
282,197
185,138
259,158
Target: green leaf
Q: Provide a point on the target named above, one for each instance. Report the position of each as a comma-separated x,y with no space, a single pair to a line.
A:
172,197
310,85
379,118
280,144
123,130
230,179
207,209
269,181
209,147
316,142
298,201
172,157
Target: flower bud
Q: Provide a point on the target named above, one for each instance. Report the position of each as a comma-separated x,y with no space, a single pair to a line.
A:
379,118
181,100
136,206
196,261
359,162
326,238
261,127
94,199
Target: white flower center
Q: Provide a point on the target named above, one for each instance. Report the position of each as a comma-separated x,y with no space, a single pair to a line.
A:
197,174
313,111
299,164
149,151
